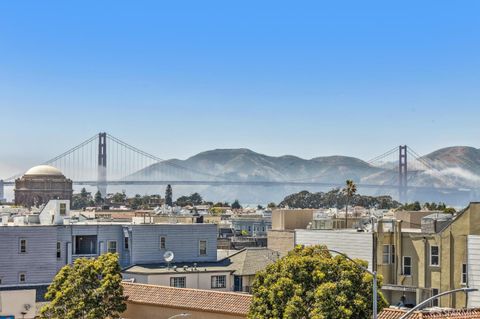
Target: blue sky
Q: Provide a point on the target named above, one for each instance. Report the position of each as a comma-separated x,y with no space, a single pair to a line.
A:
175,78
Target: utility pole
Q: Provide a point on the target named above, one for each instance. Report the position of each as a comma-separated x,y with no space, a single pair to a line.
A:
102,164
402,173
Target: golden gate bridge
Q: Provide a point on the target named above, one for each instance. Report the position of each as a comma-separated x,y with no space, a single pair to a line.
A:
104,160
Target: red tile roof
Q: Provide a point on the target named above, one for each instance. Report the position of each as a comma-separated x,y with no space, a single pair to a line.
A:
473,313
192,299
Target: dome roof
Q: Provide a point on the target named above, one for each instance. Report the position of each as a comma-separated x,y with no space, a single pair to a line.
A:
44,170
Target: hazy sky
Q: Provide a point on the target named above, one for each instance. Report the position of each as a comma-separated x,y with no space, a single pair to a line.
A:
178,77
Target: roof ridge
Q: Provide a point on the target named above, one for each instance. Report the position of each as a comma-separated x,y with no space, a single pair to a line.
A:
184,289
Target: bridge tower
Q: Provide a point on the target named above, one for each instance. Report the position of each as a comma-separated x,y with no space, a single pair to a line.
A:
402,173
102,164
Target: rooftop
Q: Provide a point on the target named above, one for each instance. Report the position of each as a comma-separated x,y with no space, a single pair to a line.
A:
45,170
245,262
190,299
391,313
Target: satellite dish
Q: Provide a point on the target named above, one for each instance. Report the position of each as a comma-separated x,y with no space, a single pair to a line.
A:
168,256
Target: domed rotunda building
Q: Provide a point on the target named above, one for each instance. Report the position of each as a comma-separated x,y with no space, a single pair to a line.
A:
40,184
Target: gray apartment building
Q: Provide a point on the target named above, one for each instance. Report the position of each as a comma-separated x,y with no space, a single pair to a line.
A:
32,250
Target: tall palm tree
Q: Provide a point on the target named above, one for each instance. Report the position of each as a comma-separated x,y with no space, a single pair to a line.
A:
349,190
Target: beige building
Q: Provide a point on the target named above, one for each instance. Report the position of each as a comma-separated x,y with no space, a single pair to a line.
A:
290,219
18,303
41,184
419,263
281,237
159,302
412,219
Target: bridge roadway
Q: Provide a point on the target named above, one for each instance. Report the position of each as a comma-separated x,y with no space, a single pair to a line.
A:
256,183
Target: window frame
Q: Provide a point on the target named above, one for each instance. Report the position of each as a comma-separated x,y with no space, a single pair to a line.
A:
216,283
162,242
20,251
436,255
108,246
435,302
386,255
200,247
59,249
174,279
63,209
20,274
464,275
409,266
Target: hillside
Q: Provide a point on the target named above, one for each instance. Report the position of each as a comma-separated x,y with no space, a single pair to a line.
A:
246,165
454,167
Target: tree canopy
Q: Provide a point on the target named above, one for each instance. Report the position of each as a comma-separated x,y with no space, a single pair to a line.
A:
193,199
236,204
311,283
88,289
336,198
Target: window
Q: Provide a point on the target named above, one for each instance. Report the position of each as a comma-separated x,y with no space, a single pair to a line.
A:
386,254
163,242
407,266
22,277
63,209
435,301
59,249
434,256
125,243
202,248
85,245
112,246
178,282
392,258
464,274
0,280
23,246
219,281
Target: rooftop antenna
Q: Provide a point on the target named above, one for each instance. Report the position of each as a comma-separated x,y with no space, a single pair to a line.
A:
168,257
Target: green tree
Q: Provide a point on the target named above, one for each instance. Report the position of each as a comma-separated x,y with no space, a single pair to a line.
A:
310,283
81,200
168,196
88,289
136,202
84,193
196,199
220,204
98,198
119,198
236,204
272,205
349,190
193,199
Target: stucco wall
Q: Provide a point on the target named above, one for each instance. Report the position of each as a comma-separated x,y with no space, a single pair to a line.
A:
290,219
12,303
281,240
